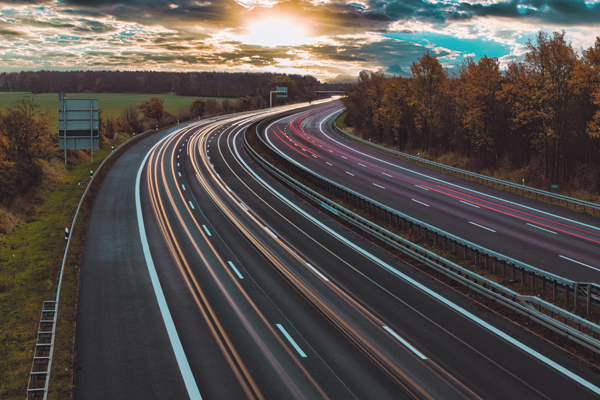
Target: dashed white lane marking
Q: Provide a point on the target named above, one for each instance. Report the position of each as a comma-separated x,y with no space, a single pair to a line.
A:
177,155
314,156
183,186
191,205
404,342
235,270
421,187
289,338
328,163
179,173
349,173
417,201
378,186
179,149
317,272
362,165
245,208
344,157
539,227
469,204
579,262
481,226
206,230
270,232
178,164
387,175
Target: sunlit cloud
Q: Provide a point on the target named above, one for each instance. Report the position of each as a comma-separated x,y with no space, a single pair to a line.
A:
325,38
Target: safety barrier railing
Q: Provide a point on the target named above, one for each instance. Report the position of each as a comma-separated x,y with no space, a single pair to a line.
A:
39,377
511,186
535,308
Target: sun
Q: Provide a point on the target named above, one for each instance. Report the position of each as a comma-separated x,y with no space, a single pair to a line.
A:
275,32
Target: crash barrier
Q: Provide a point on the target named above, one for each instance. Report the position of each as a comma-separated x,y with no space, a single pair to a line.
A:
534,308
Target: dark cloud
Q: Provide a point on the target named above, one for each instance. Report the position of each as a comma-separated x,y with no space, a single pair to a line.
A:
9,32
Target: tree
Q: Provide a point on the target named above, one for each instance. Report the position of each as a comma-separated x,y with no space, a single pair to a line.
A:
197,107
212,107
427,89
152,108
478,107
551,60
128,122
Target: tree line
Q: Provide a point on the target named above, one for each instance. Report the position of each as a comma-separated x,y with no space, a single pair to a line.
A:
542,112
200,84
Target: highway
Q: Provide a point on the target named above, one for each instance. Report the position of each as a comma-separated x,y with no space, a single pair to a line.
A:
202,277
548,237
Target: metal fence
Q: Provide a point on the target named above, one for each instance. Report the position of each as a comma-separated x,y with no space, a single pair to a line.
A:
535,308
537,194
39,377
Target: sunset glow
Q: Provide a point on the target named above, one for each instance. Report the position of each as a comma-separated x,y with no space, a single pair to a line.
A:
327,39
275,32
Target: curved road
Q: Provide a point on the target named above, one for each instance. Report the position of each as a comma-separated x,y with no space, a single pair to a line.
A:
203,276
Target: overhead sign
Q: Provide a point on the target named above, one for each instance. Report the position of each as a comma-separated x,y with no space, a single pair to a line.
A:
281,91
77,123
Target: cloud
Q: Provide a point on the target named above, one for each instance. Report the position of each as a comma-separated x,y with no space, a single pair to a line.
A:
340,38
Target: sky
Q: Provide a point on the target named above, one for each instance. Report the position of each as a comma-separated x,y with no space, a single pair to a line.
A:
332,40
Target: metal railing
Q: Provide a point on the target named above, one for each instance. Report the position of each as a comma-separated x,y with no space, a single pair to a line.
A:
39,377
543,312
530,191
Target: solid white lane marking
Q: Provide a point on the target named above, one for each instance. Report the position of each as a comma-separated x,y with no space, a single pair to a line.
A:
191,205
179,173
183,186
421,287
180,357
421,187
579,262
317,272
349,173
387,174
481,226
404,342
329,163
420,202
235,270
378,186
362,165
469,204
544,229
289,338
206,230
270,232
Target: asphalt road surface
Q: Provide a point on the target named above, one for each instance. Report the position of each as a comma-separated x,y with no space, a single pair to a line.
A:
202,277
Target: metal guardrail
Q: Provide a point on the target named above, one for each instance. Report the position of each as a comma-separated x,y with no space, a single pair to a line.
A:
532,192
39,377
590,291
530,306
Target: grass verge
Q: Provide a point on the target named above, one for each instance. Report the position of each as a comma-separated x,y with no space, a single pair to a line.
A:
30,259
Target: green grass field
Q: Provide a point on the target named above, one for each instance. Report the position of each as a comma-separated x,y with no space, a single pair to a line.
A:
111,103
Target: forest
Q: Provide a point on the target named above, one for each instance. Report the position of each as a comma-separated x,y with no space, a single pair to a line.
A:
201,84
541,114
